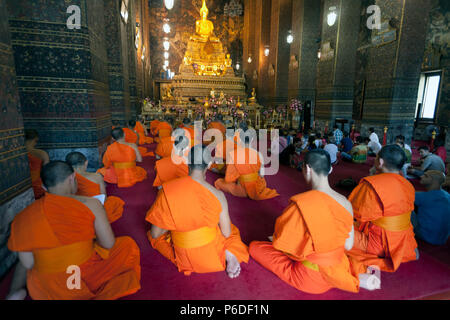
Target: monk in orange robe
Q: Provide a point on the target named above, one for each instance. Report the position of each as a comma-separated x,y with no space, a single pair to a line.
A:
382,204
120,160
154,127
142,133
67,244
174,166
164,129
132,137
218,124
191,226
307,248
37,158
243,177
92,184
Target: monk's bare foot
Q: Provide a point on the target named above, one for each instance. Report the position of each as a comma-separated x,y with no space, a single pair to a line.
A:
270,238
17,295
233,265
417,253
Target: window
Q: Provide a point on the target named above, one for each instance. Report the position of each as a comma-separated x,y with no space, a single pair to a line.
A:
124,10
428,96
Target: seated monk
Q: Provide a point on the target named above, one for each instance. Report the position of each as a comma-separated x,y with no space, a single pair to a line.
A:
218,124
120,160
37,158
142,133
243,177
164,147
154,127
132,137
175,166
62,233
310,238
382,206
92,184
191,226
222,152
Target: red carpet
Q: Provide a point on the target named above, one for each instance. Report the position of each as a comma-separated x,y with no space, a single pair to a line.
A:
430,276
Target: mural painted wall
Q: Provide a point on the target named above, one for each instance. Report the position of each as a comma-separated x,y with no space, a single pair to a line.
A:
227,28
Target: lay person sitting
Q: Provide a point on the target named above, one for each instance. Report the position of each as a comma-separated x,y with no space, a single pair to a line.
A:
358,154
289,154
346,143
408,155
373,146
430,161
431,219
439,147
332,148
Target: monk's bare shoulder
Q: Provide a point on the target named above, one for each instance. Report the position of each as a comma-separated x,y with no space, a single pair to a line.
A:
89,202
95,177
343,201
41,154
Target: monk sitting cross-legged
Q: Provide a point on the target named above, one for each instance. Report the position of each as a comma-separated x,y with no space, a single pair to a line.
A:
132,137
119,162
164,129
37,158
154,127
243,177
191,226
142,133
175,166
92,184
382,205
66,243
307,249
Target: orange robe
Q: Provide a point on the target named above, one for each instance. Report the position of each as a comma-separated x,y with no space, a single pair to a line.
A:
191,213
221,151
35,170
120,167
154,127
167,170
243,180
113,205
143,139
164,129
379,240
308,245
164,147
219,126
59,231
132,137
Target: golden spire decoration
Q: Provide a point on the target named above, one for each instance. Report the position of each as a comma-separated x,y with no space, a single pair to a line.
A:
204,10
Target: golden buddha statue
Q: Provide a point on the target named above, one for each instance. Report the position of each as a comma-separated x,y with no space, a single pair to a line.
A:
252,99
204,54
204,28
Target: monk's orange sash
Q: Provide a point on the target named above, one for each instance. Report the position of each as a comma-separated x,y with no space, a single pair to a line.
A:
323,259
195,238
251,177
124,165
395,223
58,259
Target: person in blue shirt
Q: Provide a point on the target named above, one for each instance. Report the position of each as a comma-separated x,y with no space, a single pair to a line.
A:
346,143
431,219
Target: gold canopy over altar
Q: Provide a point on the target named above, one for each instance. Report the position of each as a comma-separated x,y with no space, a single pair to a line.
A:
206,67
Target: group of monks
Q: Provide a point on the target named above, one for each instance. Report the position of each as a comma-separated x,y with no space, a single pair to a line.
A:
322,240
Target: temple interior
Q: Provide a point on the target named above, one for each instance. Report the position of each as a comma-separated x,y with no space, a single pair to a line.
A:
72,71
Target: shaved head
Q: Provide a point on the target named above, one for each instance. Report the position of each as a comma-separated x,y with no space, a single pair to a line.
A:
55,172
319,160
198,158
76,159
393,156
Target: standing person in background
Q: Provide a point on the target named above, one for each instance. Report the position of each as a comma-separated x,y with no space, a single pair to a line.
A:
338,135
